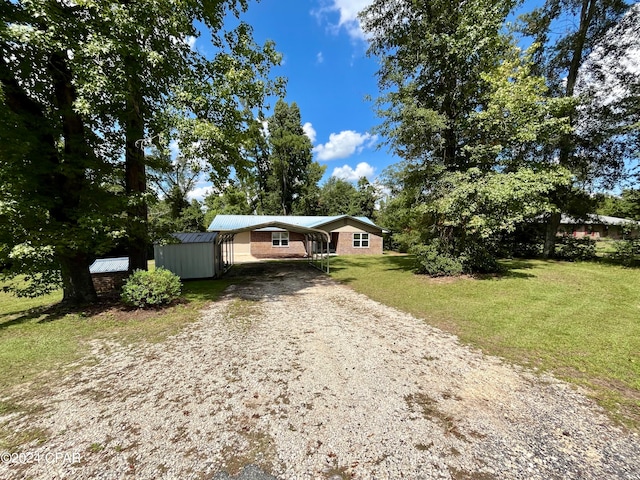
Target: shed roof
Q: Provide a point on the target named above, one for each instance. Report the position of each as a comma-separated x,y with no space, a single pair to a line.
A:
110,265
225,223
197,237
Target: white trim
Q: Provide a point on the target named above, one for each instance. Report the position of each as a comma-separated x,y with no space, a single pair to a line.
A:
277,239
362,238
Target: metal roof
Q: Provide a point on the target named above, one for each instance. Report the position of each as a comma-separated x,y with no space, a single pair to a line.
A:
198,237
110,265
224,223
597,219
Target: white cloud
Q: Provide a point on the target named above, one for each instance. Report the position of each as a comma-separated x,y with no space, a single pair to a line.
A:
191,41
348,11
344,144
363,169
309,131
200,192
319,57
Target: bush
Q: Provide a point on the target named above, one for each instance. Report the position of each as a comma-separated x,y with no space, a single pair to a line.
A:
148,289
478,259
572,249
428,260
626,252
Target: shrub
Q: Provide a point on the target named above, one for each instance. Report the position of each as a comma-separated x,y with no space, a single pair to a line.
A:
428,260
572,249
626,252
478,259
147,289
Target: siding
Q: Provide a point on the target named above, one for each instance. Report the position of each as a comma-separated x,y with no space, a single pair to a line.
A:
187,260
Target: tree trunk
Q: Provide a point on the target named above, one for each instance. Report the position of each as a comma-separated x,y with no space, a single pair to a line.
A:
587,12
135,179
77,284
551,232
62,186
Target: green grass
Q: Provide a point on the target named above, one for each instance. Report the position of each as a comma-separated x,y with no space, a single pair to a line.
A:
580,321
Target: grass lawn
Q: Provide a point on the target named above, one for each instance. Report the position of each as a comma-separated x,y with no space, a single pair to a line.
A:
580,321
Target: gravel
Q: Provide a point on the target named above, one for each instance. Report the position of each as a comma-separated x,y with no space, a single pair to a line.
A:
293,376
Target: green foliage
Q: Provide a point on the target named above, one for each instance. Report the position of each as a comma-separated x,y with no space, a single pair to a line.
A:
626,205
572,248
432,59
33,271
626,252
431,261
84,86
150,289
286,170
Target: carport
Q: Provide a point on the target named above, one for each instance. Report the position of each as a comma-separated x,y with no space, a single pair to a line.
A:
317,242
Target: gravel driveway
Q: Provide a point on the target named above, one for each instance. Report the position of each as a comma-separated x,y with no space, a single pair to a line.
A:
300,378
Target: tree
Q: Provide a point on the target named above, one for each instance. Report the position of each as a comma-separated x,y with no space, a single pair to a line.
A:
626,205
338,197
366,198
473,125
433,55
85,84
593,149
290,175
232,200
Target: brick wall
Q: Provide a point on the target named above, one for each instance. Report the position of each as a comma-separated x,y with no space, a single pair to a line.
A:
108,282
345,245
261,246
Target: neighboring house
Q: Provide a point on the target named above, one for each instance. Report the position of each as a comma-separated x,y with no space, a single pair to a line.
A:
278,236
598,226
193,255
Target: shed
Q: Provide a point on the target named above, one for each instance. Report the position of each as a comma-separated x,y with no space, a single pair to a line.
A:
193,255
109,274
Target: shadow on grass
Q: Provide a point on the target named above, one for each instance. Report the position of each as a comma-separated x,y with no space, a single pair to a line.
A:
192,291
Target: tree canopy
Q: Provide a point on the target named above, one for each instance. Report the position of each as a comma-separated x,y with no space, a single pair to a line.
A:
85,88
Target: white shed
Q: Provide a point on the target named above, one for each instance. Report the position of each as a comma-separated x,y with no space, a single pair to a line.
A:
197,255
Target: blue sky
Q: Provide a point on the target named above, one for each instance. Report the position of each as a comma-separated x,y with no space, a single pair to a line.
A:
329,75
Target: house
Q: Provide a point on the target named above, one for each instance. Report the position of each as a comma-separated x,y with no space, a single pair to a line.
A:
192,255
598,226
256,237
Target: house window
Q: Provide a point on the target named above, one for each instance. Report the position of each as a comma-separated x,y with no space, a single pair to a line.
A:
280,239
361,240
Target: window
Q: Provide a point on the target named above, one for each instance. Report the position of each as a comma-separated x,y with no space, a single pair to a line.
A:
280,239
361,240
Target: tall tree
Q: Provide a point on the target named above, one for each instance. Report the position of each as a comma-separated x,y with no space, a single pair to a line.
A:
585,151
470,121
432,57
292,174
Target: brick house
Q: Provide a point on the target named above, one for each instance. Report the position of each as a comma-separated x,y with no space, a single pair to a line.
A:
598,226
256,237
